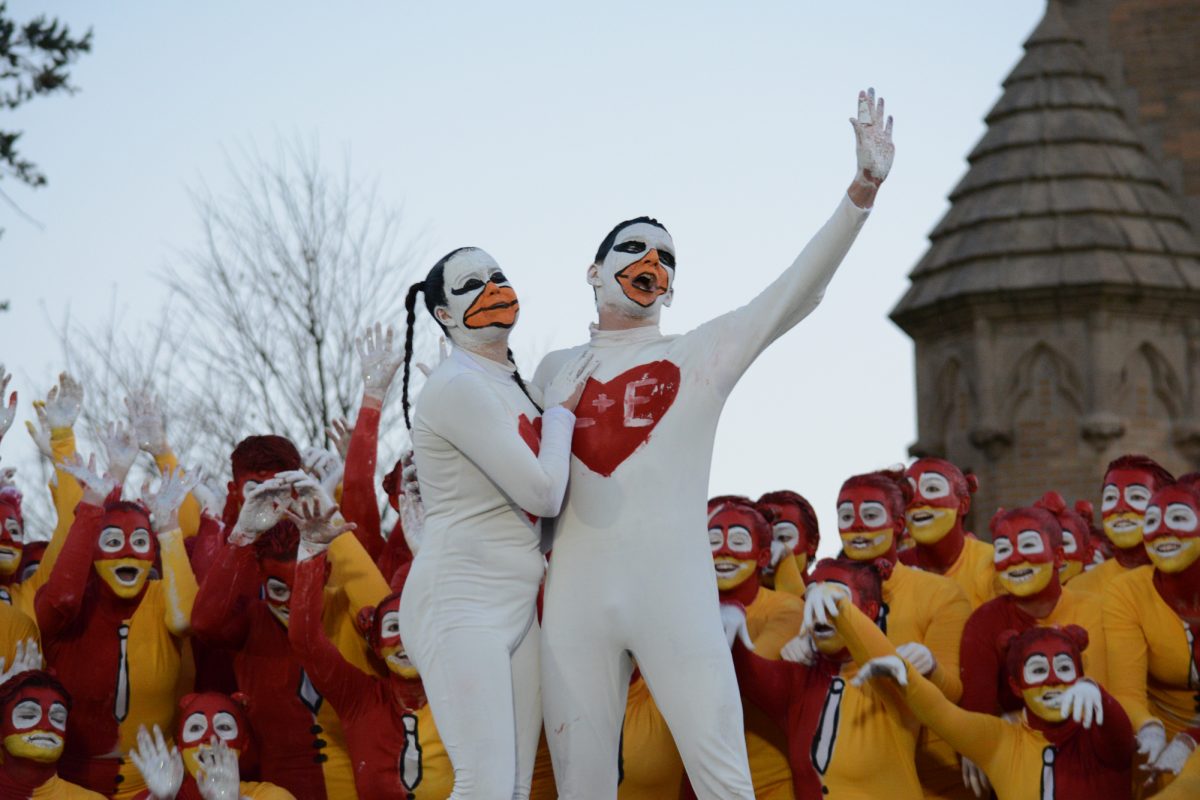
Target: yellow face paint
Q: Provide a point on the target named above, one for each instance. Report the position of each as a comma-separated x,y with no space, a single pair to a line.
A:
1172,553
1027,578
1124,530
867,545
1046,701
125,576
930,524
191,756
1069,570
42,746
733,572
397,662
828,640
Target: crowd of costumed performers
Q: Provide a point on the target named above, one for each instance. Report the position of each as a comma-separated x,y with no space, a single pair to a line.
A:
560,610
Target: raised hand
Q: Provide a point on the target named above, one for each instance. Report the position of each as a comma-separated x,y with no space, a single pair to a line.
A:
317,527
161,767
875,149
733,620
1083,703
96,486
800,650
63,402
883,667
262,508
339,431
443,354
41,432
1151,740
821,604
164,502
121,447
1174,757
26,656
212,501
380,360
566,387
149,427
919,656
325,466
8,413
218,777
412,508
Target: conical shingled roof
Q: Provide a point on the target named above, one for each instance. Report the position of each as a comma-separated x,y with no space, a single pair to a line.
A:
1060,192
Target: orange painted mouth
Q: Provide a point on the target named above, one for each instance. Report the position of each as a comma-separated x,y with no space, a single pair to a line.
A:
645,281
496,306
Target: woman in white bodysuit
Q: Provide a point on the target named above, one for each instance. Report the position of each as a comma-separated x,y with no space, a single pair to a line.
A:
490,464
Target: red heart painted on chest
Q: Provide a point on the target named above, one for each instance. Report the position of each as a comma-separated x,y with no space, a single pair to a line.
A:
531,432
616,417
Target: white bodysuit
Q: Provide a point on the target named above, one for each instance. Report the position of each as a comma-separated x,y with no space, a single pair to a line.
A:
631,569
467,616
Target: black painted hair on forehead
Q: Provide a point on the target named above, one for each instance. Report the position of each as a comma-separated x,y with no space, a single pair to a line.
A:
435,283
607,244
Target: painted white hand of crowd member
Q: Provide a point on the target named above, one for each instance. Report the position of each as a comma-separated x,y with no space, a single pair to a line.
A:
733,620
26,656
919,656
212,501
412,507
820,604
1173,757
325,466
339,432
883,667
8,413
800,650
779,549
317,528
1083,703
566,387
875,149
122,449
218,777
443,354
7,476
96,487
161,767
262,508
380,359
63,402
307,489
164,502
149,427
1151,740
40,433
975,779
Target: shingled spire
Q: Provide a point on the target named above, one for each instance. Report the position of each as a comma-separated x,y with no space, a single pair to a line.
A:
1055,313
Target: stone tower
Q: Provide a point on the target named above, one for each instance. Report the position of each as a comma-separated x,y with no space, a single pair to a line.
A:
1056,314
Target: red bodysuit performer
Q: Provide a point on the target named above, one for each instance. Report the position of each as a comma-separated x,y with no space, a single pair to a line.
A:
34,709
795,536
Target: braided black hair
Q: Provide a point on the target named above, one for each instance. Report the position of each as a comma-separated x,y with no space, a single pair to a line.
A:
434,289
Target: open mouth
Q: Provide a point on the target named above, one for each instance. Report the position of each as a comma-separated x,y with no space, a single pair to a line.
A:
823,631
1167,548
725,569
922,517
127,575
399,659
862,542
1052,698
1020,575
645,282
8,554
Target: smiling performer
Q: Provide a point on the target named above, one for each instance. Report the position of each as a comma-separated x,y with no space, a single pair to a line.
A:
1071,741
490,463
1152,623
1079,551
1128,483
795,534
34,709
935,515
113,636
629,574
926,612
741,540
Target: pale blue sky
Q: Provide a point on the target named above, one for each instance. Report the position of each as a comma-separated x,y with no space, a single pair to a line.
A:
529,129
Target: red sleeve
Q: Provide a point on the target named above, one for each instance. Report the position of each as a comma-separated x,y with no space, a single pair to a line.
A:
344,684
204,547
360,504
220,615
395,554
1113,741
60,599
766,684
980,664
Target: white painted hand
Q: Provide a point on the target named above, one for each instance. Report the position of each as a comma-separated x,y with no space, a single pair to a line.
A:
975,779
262,508
779,549
733,620
412,508
149,427
919,656
443,354
317,527
63,402
1082,702
566,387
8,413
121,447
883,667
1151,740
875,149
165,501
1174,756
380,359
800,650
212,501
26,656
325,466
161,767
96,487
820,604
218,777
339,431
40,433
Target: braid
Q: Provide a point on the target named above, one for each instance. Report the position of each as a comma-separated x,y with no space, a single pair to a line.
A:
410,305
521,383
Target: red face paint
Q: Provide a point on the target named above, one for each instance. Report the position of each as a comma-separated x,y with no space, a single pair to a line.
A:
740,542
865,522
206,718
1172,528
1124,499
125,551
1026,554
791,527
278,578
34,724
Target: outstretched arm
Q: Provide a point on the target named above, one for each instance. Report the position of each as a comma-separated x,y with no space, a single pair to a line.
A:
360,504
765,683
59,601
178,580
150,431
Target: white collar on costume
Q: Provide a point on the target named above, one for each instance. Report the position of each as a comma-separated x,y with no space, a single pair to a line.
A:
639,335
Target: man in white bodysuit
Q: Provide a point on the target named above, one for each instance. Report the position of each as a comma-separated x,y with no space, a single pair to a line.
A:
631,571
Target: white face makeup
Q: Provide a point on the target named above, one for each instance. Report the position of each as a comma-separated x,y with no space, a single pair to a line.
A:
195,727
1064,668
278,591
26,714
1029,543
225,725
933,485
787,533
112,540
481,306
1137,497
637,275
390,626
1069,543
14,530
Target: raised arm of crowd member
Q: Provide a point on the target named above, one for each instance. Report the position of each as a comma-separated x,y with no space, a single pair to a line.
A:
150,431
8,413
1150,616
396,552
1073,738
380,358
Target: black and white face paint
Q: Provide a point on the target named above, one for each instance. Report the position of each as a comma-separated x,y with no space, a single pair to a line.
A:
481,306
637,275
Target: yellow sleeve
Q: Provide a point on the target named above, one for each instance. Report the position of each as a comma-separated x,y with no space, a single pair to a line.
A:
66,493
950,611
1125,644
788,577
355,573
179,583
779,626
189,512
15,626
979,737
265,791
1095,657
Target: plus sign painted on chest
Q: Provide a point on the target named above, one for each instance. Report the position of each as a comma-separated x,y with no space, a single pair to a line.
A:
616,417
